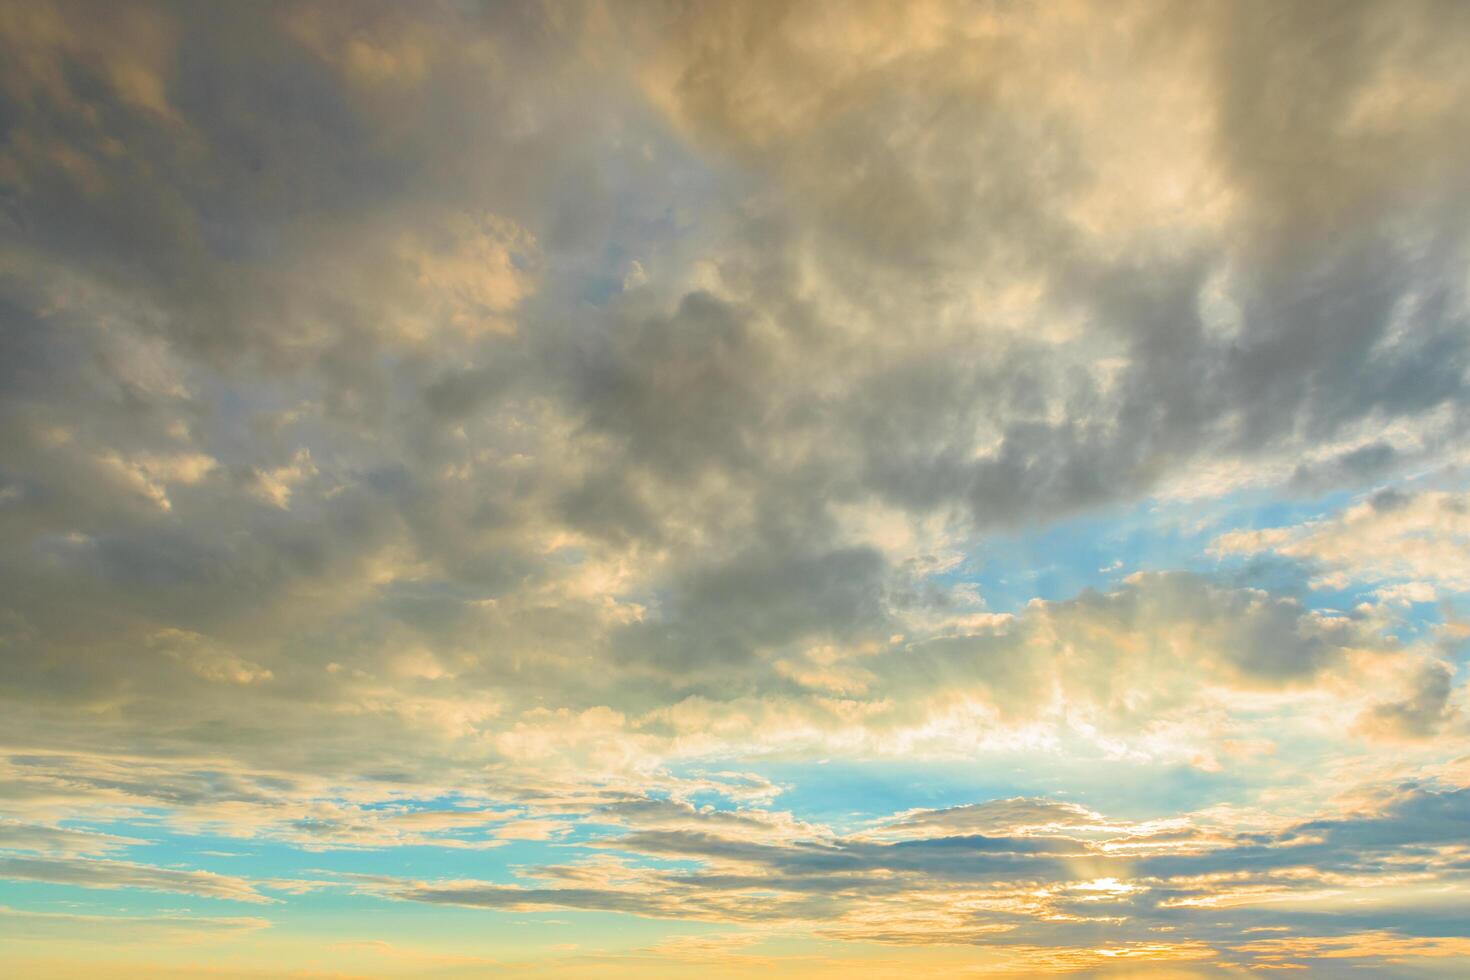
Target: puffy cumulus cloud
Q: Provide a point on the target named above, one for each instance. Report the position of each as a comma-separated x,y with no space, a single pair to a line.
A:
451,426
1424,709
975,164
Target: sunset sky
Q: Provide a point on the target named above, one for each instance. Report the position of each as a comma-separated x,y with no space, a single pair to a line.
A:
645,489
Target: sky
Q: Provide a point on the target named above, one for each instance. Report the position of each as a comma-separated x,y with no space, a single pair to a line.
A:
608,489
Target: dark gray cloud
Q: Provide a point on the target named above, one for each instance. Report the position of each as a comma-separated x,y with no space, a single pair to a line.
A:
237,265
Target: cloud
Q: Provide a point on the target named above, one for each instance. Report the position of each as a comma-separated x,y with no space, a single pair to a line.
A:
37,838
998,816
1391,536
523,427
1017,893
1423,711
125,930
96,873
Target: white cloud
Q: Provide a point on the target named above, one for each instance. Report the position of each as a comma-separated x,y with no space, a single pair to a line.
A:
1419,541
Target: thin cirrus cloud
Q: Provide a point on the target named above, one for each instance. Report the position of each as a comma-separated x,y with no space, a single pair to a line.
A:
829,489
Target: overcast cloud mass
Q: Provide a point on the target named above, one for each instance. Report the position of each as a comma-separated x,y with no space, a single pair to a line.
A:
668,489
